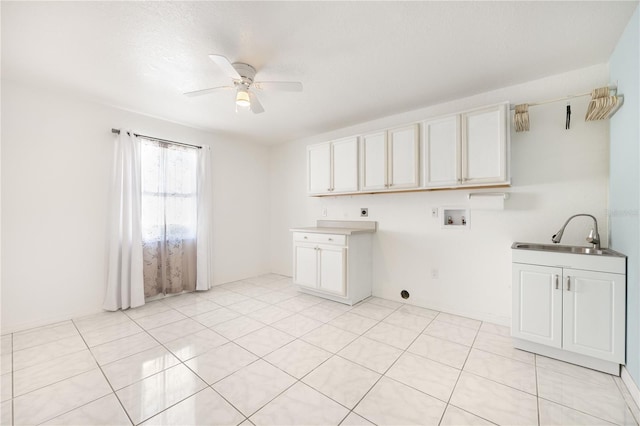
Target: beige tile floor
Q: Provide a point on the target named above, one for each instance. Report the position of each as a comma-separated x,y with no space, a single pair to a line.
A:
259,352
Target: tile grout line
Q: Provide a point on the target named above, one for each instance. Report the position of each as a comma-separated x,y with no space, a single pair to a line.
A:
460,374
625,394
294,339
103,375
195,373
75,375
535,366
296,379
181,362
100,367
13,411
387,370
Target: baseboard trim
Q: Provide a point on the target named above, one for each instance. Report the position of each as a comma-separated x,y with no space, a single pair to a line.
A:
608,367
15,328
632,387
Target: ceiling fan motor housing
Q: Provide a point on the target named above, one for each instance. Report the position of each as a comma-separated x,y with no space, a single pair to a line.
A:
246,71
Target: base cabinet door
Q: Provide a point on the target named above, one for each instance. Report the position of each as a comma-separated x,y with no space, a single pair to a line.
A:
305,265
592,305
332,270
537,304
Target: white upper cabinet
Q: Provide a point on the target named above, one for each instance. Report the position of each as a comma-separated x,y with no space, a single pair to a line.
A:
345,165
390,159
441,152
468,149
333,167
319,169
484,146
403,162
374,161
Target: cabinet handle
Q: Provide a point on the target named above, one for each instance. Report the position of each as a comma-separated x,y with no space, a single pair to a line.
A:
306,238
328,189
330,239
557,281
568,283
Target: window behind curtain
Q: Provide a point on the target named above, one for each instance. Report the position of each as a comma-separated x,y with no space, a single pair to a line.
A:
169,217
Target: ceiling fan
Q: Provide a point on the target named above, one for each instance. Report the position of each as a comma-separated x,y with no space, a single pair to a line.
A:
244,85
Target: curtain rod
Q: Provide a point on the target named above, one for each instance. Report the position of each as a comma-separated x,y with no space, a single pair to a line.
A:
117,132
566,98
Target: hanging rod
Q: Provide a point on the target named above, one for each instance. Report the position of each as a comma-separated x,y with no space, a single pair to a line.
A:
615,88
117,132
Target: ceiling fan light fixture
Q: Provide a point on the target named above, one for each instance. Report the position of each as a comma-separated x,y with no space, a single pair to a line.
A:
242,98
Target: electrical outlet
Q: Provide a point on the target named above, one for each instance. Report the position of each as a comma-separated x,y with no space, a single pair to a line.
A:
434,212
364,212
324,212
435,274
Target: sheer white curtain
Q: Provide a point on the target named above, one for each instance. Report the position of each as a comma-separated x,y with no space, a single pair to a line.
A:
169,217
204,272
125,286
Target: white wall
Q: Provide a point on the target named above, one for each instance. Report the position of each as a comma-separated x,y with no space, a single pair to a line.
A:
56,165
555,173
625,179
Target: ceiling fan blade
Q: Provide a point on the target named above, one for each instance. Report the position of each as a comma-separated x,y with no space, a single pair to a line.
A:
207,91
226,66
256,106
283,86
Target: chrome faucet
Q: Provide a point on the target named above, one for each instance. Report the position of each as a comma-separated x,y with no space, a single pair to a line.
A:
592,238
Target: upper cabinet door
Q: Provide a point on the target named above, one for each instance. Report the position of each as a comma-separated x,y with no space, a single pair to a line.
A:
374,161
484,146
403,161
319,169
441,152
345,165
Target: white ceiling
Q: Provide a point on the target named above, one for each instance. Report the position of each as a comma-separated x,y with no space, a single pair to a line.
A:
357,60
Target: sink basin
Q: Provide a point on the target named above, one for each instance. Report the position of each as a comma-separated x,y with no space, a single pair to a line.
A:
565,249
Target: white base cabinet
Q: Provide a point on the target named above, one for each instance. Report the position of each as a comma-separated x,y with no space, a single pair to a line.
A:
334,266
562,310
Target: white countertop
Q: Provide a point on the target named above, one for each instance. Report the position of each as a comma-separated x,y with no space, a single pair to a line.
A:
339,227
327,230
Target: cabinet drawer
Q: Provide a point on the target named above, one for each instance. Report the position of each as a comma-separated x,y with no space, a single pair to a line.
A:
312,237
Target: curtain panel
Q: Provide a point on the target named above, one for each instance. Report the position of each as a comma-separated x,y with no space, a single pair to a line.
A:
204,229
125,288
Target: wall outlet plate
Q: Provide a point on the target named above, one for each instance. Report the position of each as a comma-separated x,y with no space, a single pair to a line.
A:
434,212
364,212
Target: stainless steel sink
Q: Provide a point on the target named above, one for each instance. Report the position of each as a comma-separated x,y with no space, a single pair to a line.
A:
565,249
